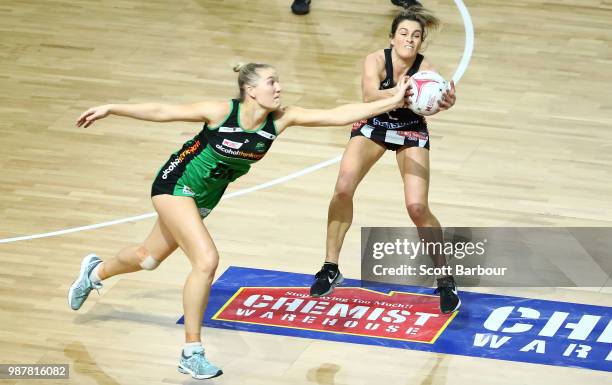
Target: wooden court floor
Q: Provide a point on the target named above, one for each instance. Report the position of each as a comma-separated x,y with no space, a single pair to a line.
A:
527,144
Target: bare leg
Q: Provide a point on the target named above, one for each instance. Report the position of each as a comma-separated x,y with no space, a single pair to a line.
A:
181,217
413,163
159,244
360,155
414,167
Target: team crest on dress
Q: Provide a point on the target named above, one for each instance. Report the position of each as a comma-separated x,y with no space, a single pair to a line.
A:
260,147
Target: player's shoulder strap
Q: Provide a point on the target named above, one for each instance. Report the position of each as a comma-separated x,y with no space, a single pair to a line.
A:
415,66
388,68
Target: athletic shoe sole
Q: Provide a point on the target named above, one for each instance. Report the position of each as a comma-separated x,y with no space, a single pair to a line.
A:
185,370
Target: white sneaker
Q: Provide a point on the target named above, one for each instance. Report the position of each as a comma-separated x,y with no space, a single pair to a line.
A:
80,289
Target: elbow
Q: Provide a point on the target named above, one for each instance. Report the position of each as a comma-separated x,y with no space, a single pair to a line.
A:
368,98
370,95
160,114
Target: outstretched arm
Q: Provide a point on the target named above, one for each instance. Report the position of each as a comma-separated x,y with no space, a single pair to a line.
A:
345,114
156,112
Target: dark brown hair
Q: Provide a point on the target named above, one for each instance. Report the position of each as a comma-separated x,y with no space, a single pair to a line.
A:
421,15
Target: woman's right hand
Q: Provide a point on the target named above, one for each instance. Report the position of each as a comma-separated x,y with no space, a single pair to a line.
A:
91,115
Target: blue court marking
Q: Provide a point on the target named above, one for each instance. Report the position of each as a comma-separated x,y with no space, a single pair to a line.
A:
466,331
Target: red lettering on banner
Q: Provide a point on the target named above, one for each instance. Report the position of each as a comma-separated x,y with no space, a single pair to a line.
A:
350,310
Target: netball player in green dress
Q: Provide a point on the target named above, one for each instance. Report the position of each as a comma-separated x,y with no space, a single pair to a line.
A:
189,185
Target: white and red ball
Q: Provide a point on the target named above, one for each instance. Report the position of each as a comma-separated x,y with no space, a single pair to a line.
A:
427,89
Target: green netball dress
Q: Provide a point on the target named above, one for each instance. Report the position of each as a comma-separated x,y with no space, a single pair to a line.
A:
206,164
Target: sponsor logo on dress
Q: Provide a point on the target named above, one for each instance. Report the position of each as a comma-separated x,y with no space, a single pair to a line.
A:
359,124
413,135
266,135
241,154
187,191
232,144
230,129
260,147
179,159
390,125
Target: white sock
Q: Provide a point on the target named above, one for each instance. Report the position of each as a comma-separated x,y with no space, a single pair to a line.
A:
93,276
192,347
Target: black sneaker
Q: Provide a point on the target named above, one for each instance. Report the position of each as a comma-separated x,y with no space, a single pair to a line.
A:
325,281
405,3
300,7
449,301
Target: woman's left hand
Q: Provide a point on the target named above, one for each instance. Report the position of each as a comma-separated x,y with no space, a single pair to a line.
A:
448,98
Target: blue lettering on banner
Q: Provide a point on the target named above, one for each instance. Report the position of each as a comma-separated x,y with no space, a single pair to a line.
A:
487,325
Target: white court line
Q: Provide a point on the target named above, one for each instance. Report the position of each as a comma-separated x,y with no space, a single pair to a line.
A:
273,182
465,60
468,48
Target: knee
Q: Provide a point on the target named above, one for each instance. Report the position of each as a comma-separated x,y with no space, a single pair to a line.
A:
145,260
345,187
206,264
418,212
